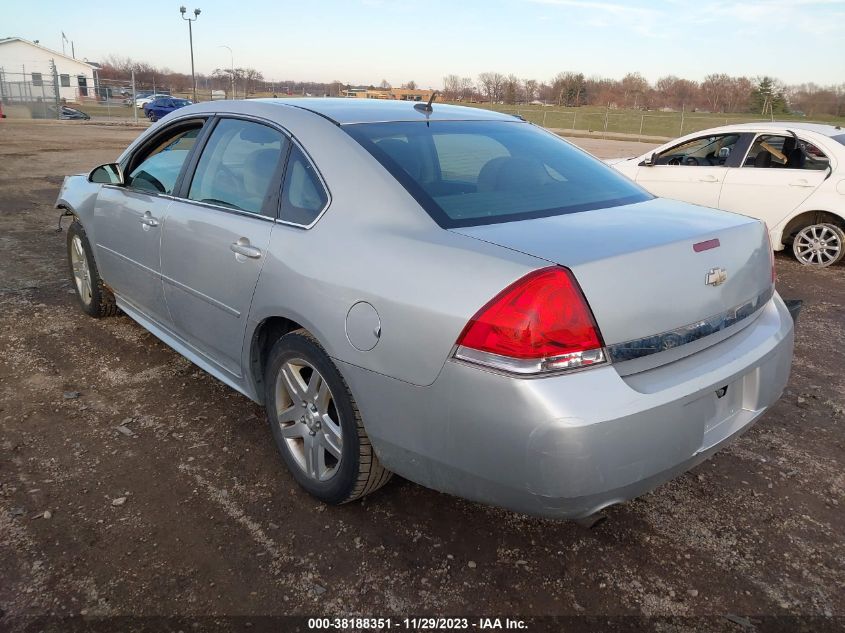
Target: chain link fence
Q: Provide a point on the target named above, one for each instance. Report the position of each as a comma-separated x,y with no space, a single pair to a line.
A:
634,124
30,95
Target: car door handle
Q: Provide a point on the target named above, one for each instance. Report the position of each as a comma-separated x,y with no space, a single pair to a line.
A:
148,220
800,183
243,247
708,179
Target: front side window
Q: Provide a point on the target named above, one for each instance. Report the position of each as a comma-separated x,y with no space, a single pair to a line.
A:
706,151
467,173
159,168
303,195
237,165
777,151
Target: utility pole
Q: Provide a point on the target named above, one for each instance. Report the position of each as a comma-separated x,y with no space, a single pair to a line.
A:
197,12
232,60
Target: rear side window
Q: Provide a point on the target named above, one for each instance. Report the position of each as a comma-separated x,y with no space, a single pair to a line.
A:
467,173
303,194
771,151
237,165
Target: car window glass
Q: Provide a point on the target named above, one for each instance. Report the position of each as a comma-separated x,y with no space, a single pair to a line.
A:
706,151
462,156
813,157
776,151
159,170
514,172
303,195
237,165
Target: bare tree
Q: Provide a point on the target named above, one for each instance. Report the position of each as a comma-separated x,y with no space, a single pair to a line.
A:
467,88
529,87
675,93
385,85
511,89
634,87
451,87
411,85
491,85
713,89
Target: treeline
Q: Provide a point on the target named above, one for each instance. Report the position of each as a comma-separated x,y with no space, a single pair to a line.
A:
716,93
115,68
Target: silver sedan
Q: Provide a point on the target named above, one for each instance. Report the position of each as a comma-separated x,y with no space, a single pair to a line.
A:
447,293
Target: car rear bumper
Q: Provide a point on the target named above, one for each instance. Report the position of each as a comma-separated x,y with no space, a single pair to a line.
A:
569,445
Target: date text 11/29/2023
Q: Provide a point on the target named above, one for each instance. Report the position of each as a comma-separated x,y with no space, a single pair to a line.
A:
415,624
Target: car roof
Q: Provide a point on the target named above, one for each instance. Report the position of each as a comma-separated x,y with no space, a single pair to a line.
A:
345,111
826,129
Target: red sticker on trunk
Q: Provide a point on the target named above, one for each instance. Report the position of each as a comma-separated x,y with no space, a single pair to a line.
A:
706,246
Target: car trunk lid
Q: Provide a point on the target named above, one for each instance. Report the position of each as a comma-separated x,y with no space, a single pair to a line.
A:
657,274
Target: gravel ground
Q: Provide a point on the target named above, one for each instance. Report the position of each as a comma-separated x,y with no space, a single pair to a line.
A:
134,484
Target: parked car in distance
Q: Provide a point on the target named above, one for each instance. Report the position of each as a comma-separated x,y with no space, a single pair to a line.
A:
140,102
162,106
789,174
447,293
66,113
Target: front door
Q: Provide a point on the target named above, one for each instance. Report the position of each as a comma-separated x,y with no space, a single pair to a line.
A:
129,221
692,172
215,241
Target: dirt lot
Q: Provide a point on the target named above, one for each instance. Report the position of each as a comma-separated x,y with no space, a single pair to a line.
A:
213,525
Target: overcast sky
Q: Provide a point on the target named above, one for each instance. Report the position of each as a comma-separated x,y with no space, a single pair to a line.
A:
365,41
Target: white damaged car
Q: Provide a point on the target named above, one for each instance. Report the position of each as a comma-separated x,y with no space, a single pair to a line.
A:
788,174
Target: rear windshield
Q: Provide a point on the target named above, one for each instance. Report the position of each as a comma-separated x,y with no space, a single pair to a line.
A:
466,173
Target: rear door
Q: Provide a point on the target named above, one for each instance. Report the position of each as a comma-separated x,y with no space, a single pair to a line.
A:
778,174
692,171
215,241
129,218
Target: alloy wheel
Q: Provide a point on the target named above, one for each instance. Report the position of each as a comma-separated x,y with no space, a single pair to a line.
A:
81,272
818,245
309,419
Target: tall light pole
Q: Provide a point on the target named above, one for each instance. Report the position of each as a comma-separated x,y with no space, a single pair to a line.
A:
197,12
232,59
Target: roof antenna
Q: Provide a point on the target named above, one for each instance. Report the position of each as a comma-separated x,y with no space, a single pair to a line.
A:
427,107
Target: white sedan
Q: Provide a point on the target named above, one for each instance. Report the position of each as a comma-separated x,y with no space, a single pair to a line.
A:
790,175
140,102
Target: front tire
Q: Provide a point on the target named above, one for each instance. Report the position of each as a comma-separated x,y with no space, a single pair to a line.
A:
151,116
95,298
819,245
316,423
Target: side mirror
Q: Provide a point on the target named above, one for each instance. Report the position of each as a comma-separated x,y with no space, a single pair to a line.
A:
651,161
109,174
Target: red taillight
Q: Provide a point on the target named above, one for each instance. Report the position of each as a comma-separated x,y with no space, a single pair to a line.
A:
540,323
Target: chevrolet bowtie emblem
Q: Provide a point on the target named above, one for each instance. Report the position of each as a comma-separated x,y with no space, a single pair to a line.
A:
716,276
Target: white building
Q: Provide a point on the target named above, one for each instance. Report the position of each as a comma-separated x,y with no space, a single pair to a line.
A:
26,74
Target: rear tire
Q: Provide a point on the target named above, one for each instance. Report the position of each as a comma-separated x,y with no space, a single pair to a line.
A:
95,298
316,423
819,245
